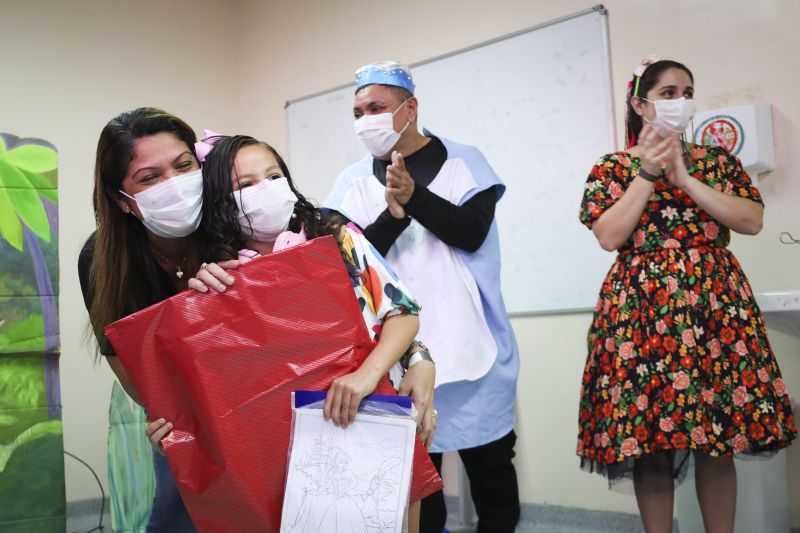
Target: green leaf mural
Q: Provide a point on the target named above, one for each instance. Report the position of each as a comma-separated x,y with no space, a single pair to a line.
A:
10,228
27,335
21,383
42,429
45,186
30,209
21,183
24,198
23,395
33,479
31,440
34,158
31,448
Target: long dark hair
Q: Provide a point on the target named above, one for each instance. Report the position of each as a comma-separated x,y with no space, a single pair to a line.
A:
650,77
222,232
123,273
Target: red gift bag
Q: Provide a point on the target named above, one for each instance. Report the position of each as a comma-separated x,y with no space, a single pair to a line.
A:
221,368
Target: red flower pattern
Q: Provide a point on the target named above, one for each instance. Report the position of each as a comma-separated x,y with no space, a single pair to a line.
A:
678,352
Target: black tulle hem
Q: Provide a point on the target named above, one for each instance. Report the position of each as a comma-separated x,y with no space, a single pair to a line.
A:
676,463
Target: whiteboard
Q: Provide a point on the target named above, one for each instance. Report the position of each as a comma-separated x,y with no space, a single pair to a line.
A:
538,104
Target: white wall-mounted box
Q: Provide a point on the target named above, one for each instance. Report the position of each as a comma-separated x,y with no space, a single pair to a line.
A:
745,131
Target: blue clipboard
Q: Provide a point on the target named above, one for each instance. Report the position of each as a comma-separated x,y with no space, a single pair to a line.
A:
307,397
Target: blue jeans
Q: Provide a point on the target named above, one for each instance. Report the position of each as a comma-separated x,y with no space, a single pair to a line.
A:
169,515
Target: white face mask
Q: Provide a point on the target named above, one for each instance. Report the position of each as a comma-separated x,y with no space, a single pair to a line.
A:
174,207
672,115
377,133
269,206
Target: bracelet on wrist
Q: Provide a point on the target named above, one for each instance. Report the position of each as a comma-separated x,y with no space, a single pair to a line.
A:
419,357
416,352
652,178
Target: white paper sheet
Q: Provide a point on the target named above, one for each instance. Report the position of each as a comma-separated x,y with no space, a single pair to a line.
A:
353,480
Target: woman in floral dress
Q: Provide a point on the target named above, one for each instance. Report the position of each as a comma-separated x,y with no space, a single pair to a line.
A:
679,359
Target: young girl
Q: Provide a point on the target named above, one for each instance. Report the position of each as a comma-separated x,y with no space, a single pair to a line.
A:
250,203
679,359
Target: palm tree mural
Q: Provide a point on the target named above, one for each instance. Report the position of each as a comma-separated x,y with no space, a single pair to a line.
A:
28,209
31,443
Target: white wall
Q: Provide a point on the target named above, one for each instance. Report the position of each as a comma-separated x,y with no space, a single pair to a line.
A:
69,66
291,49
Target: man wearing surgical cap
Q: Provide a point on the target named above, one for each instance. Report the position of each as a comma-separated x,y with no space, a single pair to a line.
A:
427,204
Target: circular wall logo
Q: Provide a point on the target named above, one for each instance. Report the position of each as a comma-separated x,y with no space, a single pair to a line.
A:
721,130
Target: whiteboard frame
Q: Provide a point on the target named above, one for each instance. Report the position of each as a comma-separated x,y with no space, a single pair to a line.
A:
600,8
610,118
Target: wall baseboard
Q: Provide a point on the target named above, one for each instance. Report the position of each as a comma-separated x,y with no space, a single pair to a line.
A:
541,517
83,515
534,517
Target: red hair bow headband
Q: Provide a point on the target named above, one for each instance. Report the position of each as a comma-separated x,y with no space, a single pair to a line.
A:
202,147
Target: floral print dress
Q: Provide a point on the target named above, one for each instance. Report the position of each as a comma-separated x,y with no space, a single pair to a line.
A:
678,353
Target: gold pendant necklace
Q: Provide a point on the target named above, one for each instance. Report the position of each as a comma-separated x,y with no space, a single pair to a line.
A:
178,269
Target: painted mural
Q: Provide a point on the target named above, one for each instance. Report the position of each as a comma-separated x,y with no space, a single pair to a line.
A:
31,442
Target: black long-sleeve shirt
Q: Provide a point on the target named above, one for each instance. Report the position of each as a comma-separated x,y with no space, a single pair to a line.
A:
161,287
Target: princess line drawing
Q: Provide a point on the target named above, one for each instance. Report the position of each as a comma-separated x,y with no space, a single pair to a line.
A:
347,481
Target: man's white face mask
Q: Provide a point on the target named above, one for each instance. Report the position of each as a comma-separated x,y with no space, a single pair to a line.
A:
376,132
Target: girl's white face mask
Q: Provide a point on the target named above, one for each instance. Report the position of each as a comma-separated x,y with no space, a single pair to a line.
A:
265,209
672,115
376,132
174,207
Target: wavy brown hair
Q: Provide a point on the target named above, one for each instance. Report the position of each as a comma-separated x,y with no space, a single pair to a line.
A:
124,276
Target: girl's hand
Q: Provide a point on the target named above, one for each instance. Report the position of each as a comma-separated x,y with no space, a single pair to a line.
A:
156,431
346,393
655,152
213,275
418,383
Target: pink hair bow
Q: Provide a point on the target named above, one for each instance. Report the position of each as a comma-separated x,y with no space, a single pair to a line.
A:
202,147
644,63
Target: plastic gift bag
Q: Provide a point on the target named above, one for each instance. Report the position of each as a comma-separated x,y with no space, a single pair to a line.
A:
222,367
